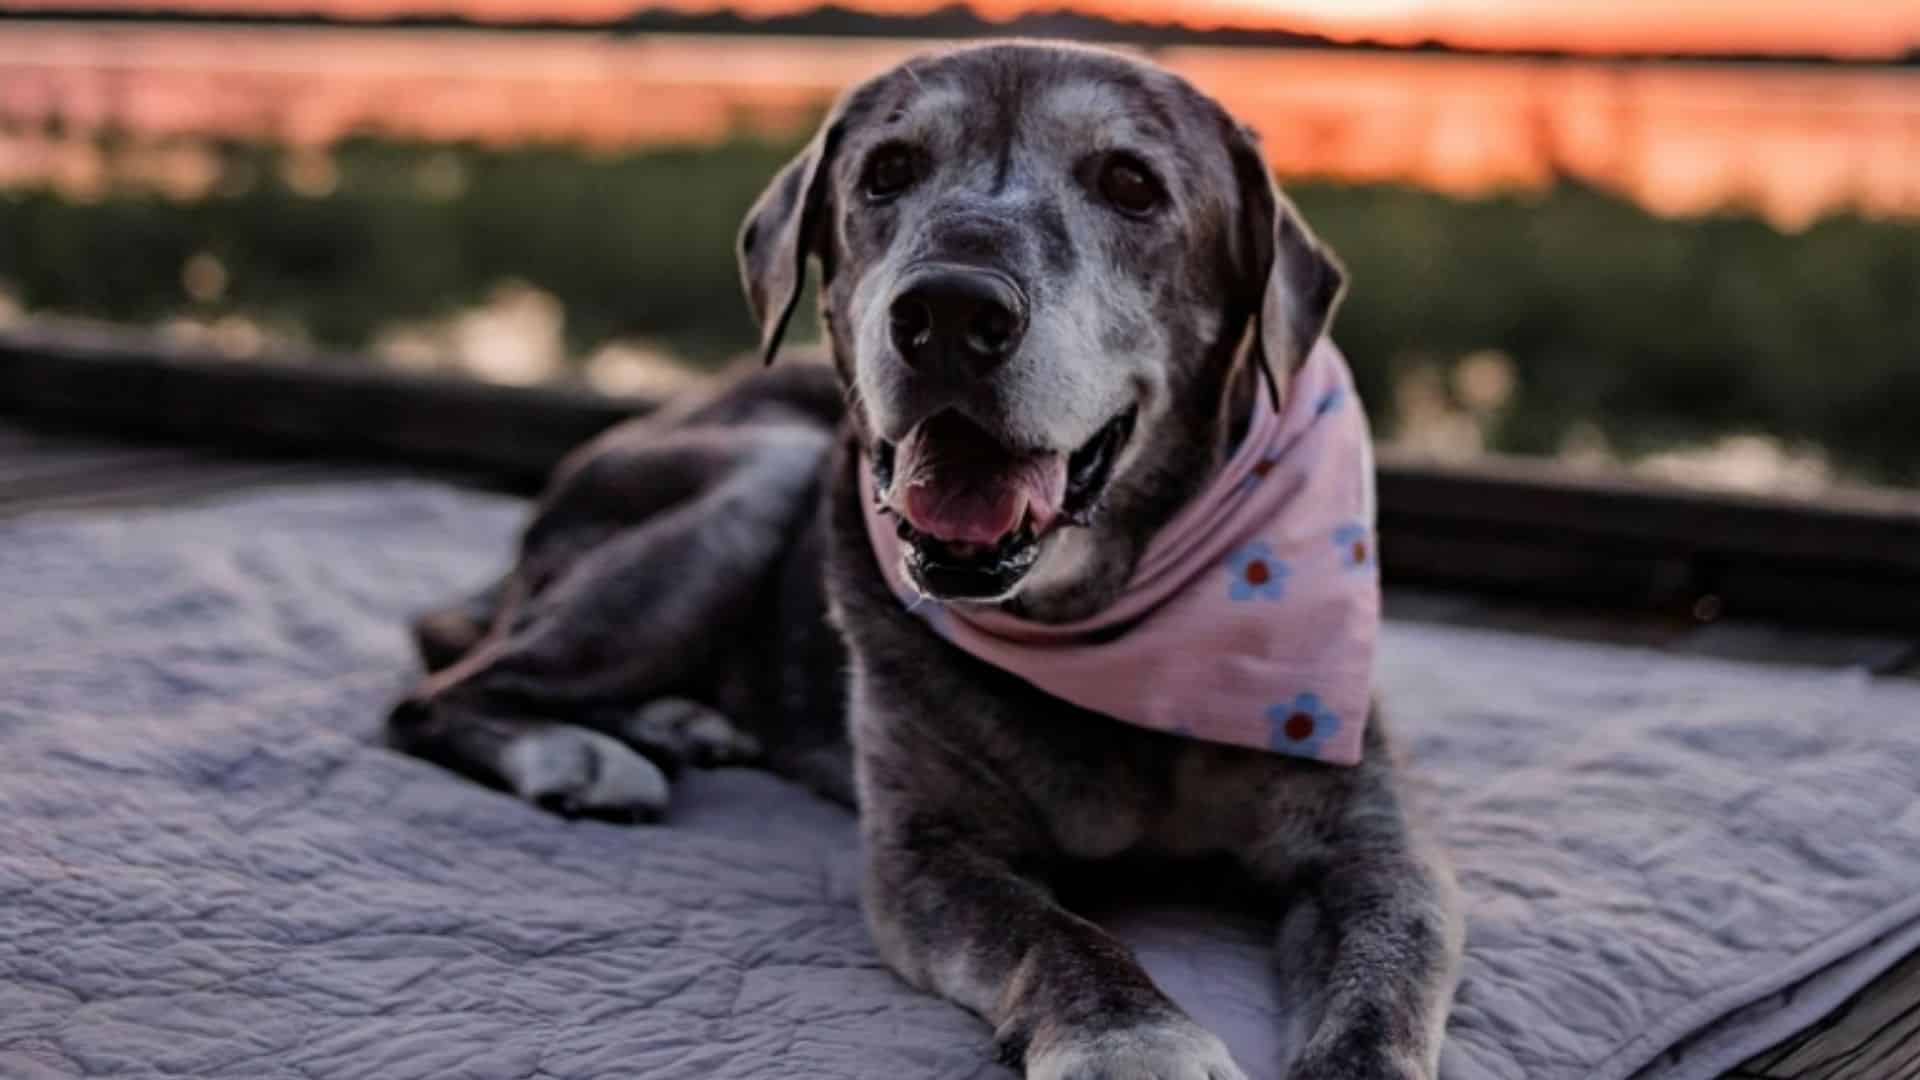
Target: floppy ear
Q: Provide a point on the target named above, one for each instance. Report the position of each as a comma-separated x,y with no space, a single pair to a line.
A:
781,231
1300,281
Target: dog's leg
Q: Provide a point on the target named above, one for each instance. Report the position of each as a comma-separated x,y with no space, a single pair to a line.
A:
635,618
1067,1001
1377,936
649,608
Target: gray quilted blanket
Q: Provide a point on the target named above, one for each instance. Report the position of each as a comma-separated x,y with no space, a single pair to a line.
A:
209,868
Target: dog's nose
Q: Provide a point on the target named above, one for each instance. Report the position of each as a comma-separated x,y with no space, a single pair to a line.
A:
957,320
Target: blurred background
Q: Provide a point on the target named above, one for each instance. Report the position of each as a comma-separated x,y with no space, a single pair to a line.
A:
1681,239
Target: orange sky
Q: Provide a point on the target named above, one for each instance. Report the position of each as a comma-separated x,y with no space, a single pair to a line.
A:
1862,28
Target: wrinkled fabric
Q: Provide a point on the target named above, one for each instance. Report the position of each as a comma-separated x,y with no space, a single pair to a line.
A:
1252,617
211,868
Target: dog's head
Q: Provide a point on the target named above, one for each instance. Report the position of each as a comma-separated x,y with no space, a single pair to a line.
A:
1052,278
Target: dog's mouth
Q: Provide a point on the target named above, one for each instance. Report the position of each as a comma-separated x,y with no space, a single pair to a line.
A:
972,513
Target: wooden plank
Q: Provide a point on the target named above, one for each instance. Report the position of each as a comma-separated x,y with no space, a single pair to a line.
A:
1632,507
1420,547
1875,1036
59,471
1774,643
44,470
332,407
168,486
1545,531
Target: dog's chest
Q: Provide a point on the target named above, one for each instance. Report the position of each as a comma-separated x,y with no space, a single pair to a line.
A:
1189,799
1096,828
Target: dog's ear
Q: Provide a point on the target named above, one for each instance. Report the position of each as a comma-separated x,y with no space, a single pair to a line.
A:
1299,281
784,228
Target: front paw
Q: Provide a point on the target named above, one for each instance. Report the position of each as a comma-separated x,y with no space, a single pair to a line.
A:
1169,1049
581,773
677,731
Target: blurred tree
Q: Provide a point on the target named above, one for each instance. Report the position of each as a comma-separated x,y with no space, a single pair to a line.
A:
1653,331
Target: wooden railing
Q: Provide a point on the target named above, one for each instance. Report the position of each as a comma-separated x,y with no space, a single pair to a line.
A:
1519,527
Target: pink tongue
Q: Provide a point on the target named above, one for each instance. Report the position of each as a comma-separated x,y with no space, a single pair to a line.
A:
955,484
966,514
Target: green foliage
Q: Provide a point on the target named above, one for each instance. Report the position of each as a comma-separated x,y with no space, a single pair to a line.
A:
1656,331
631,245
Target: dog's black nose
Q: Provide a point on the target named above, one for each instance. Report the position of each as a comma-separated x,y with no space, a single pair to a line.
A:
957,320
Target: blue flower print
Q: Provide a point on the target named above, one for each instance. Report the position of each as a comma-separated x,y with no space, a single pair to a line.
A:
1302,725
1256,574
1258,473
1356,547
1330,401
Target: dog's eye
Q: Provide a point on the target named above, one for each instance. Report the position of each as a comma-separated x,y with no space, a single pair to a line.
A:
890,171
1128,185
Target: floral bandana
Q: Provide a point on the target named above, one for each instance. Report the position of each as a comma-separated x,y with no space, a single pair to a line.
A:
1251,618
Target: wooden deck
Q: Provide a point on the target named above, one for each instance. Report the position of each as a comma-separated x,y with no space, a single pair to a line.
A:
1526,529
1875,1036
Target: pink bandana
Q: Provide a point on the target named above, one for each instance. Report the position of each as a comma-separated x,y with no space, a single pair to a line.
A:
1251,618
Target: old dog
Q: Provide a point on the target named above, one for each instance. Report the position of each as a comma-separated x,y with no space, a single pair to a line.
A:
1073,329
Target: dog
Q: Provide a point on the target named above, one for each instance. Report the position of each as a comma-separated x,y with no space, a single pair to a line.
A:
1060,293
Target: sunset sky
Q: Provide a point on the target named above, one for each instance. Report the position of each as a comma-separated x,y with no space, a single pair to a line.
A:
1858,28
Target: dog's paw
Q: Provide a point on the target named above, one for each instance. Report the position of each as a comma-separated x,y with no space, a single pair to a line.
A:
687,732
582,773
1174,1049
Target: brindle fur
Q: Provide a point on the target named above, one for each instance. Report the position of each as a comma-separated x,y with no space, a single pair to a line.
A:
680,559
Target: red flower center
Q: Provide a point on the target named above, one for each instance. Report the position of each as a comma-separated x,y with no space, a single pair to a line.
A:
1257,573
1262,468
1299,727
1359,551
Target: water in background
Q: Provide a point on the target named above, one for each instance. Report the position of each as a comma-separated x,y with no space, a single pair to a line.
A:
1712,351
1791,143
